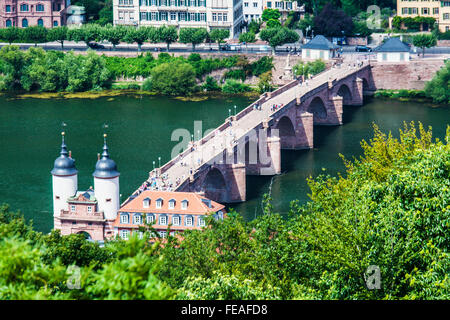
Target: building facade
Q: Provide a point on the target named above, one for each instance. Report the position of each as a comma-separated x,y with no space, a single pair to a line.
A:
209,14
438,9
24,13
319,48
181,210
90,212
393,50
253,9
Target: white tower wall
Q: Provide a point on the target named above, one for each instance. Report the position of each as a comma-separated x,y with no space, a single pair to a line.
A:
107,188
63,188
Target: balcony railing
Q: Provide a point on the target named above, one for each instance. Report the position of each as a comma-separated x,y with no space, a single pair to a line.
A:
95,216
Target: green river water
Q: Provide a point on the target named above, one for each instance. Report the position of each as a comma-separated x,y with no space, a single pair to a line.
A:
140,131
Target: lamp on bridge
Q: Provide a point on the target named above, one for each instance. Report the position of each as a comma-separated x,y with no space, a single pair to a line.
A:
153,165
229,113
235,110
159,162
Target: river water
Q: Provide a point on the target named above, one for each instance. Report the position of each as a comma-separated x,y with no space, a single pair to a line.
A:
139,131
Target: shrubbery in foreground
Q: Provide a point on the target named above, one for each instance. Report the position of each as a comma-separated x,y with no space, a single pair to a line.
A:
390,210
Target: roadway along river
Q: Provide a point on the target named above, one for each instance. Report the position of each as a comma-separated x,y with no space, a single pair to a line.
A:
140,131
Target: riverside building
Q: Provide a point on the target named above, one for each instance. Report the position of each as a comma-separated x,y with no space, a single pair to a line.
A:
24,13
209,14
438,9
96,212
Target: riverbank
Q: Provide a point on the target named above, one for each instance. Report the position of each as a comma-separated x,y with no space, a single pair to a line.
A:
132,93
418,96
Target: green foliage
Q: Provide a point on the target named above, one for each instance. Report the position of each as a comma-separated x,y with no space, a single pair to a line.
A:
237,74
273,23
58,34
225,287
210,84
167,35
174,78
137,35
424,41
192,35
247,37
254,26
412,24
278,36
439,87
52,71
11,34
265,82
219,35
87,33
270,14
360,29
309,68
233,86
262,65
113,34
401,94
35,34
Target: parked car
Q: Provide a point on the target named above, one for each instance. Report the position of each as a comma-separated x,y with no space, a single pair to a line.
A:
95,45
363,49
232,47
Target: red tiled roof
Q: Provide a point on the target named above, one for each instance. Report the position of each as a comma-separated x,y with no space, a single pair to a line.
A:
195,203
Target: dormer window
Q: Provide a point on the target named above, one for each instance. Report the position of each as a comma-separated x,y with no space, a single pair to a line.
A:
172,204
184,204
159,203
124,218
146,203
137,219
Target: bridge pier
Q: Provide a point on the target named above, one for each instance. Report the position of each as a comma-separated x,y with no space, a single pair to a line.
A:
274,155
304,130
335,109
357,97
236,183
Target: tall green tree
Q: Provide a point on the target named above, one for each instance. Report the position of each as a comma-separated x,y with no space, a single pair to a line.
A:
424,41
11,34
113,34
193,35
168,35
219,35
137,35
278,36
35,34
58,34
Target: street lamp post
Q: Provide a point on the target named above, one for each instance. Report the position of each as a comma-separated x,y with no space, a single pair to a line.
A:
235,110
159,162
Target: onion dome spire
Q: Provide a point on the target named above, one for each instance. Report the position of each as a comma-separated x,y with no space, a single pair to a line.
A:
64,165
105,167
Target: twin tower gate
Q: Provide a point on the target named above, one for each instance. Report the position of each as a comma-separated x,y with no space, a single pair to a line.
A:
258,151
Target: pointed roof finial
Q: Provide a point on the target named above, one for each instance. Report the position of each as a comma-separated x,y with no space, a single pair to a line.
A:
64,165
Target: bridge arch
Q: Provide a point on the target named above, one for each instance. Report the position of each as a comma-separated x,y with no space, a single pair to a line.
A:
285,127
317,108
346,94
215,186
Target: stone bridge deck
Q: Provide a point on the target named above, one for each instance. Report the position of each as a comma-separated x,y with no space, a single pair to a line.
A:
217,164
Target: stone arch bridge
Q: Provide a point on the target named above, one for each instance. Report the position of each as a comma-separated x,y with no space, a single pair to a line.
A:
250,142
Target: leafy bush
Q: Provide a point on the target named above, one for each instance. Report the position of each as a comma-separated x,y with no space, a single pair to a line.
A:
52,71
237,74
262,65
210,84
173,78
438,87
233,86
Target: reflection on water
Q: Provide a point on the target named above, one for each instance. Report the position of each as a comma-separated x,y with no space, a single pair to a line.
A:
140,131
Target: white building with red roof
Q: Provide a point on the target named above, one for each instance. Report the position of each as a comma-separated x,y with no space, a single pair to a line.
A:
181,210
